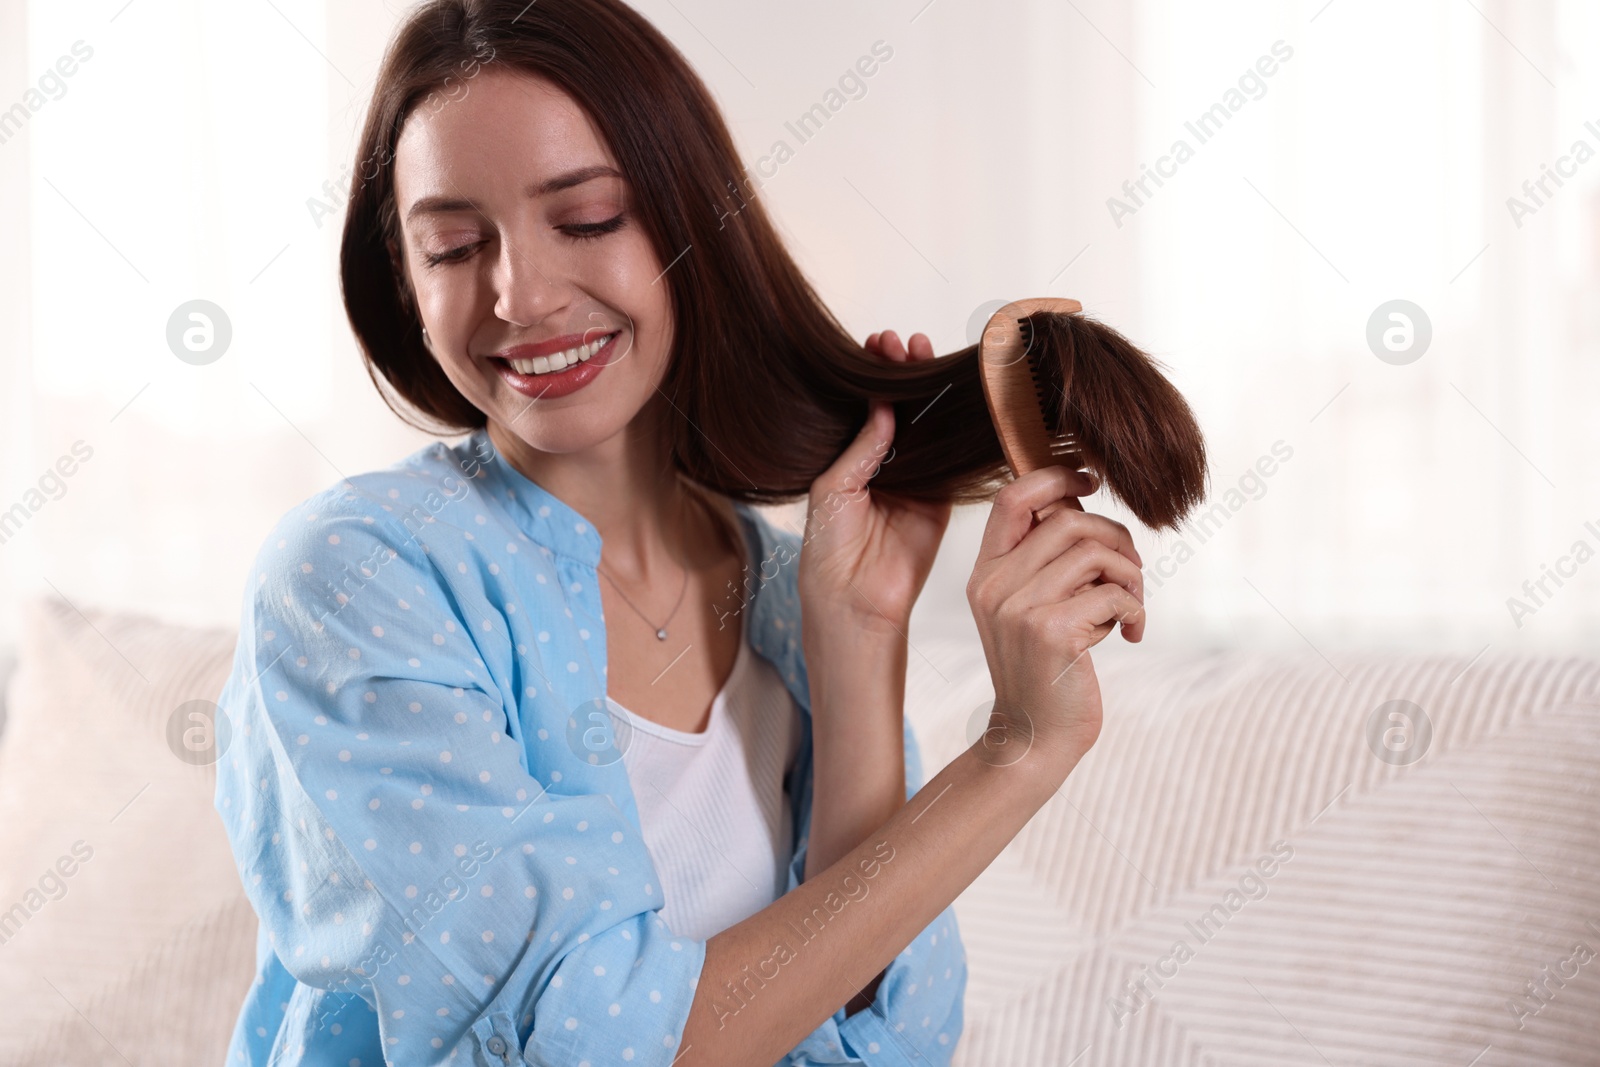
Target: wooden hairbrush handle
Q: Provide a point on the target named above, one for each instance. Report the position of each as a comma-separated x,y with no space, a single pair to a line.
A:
1013,398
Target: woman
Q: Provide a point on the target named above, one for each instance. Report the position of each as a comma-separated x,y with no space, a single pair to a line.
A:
499,795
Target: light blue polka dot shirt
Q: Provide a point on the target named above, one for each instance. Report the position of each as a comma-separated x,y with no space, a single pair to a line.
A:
429,811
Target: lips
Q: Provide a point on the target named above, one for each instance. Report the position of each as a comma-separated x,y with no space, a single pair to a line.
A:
555,353
549,383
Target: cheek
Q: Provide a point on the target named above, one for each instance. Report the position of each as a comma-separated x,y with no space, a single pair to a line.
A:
632,282
446,296
447,310
455,307
630,279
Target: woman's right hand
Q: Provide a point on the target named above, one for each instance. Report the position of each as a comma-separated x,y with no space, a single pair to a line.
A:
1043,594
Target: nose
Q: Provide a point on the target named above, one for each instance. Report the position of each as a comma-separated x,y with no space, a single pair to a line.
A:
525,293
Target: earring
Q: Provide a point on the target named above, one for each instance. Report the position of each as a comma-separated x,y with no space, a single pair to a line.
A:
426,343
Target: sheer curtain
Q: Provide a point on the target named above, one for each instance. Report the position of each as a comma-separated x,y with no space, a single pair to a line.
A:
199,153
181,161
1303,165
1376,165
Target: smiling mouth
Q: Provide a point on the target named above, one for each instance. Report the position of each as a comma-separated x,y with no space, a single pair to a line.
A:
559,361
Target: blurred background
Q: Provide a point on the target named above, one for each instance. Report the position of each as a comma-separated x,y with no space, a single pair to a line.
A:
1336,157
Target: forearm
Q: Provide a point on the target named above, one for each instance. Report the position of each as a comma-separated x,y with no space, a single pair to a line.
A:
773,978
858,746
858,763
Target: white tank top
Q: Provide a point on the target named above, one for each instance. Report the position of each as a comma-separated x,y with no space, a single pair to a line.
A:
712,807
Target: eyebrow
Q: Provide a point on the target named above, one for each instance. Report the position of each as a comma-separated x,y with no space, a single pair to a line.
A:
441,204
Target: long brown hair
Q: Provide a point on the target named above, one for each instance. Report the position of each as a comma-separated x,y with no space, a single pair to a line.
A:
767,385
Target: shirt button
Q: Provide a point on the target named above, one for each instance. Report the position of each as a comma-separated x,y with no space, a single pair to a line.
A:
497,1046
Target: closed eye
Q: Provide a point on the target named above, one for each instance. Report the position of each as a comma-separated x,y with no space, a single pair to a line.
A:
588,231
581,231
452,256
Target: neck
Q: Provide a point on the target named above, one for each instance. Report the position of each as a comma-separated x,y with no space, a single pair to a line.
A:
652,524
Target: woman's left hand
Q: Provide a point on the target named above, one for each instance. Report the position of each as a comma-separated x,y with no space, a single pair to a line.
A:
867,556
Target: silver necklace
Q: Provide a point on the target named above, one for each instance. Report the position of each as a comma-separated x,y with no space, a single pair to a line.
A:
661,631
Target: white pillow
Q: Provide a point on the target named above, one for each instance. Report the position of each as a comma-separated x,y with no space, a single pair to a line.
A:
1409,905
124,926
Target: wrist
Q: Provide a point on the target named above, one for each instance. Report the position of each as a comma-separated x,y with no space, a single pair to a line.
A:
1012,740
834,607
859,665
872,633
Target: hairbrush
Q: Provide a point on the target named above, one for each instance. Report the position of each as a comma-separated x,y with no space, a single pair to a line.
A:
1025,405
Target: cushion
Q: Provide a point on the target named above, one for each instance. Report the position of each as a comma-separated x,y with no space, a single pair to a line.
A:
123,926
1264,860
1344,883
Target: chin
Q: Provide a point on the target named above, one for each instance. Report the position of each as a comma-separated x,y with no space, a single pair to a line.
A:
572,428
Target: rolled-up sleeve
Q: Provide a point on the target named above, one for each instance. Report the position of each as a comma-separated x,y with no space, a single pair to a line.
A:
916,1017
394,843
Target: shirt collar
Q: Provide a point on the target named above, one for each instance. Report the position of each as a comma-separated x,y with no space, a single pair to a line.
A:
546,518
555,524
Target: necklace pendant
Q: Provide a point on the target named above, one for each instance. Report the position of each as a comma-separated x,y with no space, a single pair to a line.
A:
661,634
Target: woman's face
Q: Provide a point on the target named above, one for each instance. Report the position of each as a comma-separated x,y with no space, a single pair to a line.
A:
514,235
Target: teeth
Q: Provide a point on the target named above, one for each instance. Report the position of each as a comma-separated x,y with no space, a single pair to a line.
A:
559,361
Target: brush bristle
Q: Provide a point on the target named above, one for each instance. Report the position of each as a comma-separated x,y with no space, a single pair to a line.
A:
1048,391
